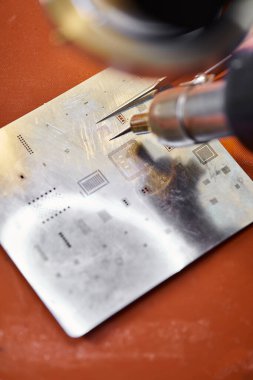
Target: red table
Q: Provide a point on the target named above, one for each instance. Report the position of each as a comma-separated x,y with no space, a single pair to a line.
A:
198,325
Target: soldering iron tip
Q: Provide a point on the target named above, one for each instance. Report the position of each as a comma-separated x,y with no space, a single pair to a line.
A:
121,133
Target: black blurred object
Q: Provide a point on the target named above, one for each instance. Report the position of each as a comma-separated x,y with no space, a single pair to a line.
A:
156,38
191,14
239,97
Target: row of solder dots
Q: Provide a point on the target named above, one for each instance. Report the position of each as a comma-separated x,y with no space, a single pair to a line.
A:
41,196
55,215
25,145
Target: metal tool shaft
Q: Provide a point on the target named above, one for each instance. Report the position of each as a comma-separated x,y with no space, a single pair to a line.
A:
188,116
196,114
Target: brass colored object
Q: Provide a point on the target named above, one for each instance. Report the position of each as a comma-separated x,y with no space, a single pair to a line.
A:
138,125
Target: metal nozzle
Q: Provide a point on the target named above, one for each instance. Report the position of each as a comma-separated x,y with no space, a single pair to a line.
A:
186,116
138,124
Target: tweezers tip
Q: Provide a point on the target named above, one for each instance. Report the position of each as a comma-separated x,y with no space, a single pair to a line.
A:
121,133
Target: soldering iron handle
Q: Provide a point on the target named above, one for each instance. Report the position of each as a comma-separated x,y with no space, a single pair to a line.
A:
239,97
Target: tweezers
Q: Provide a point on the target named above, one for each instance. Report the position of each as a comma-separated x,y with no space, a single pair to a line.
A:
163,83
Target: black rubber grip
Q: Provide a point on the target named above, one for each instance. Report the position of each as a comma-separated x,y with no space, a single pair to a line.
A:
239,97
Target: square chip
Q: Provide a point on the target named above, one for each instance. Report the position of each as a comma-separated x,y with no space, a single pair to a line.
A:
127,160
205,153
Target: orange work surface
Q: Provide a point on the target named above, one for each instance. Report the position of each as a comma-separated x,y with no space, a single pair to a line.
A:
196,326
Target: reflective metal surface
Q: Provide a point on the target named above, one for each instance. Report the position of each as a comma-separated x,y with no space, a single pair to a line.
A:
93,224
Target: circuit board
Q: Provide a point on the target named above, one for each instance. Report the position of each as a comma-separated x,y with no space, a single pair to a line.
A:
93,224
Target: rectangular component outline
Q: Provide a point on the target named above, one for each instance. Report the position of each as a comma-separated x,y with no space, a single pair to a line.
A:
122,147
106,182
198,149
